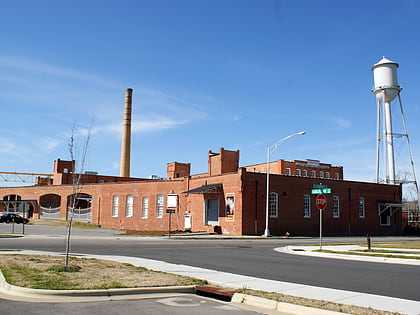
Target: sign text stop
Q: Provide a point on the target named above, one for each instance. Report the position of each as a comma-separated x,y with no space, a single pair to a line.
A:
321,202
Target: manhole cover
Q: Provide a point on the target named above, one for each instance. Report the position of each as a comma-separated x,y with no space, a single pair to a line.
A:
179,301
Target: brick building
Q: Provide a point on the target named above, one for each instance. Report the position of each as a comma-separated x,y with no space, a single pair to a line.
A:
227,199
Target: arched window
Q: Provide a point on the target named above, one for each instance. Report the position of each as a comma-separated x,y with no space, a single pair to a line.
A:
274,205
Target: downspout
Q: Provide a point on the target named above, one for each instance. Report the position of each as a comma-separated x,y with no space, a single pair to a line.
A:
349,212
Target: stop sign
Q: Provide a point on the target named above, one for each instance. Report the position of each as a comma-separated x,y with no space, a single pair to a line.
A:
321,202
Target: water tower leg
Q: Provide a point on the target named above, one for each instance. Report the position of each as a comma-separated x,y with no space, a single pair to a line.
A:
389,141
378,140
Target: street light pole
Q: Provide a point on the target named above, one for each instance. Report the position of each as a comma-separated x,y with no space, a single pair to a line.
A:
267,199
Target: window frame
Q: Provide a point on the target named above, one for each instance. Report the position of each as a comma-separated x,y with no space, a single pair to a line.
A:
313,174
145,207
304,173
288,171
336,207
362,208
115,206
273,204
160,205
129,206
306,206
298,172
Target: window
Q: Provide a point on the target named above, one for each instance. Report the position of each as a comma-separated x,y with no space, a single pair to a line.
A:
336,176
115,200
305,173
274,205
321,174
298,172
327,175
336,207
306,206
313,174
385,218
145,207
288,172
361,207
159,206
129,206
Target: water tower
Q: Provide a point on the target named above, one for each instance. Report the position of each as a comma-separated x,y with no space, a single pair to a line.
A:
386,89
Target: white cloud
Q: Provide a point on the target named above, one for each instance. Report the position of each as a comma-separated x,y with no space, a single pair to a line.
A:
6,146
342,123
154,123
30,65
48,144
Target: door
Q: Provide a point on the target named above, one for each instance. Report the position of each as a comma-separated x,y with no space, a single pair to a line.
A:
211,211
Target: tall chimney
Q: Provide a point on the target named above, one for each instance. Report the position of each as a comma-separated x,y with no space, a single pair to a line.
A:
126,135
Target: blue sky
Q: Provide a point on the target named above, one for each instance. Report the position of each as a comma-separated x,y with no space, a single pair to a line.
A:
238,74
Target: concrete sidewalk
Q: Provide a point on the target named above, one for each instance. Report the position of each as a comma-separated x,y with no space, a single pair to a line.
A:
240,281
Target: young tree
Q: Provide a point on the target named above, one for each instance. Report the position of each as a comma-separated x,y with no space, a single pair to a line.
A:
78,152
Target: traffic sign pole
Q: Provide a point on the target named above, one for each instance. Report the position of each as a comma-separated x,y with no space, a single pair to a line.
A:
321,203
320,229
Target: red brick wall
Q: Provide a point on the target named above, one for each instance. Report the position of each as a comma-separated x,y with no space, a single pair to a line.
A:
248,190
291,219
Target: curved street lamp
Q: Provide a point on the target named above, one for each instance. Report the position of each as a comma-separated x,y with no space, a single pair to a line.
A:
270,150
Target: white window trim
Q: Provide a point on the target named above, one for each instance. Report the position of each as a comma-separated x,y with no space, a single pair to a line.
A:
145,207
288,171
298,172
276,205
160,206
115,205
336,207
306,206
362,203
129,206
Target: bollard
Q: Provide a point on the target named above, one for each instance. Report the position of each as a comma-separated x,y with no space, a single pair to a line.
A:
368,241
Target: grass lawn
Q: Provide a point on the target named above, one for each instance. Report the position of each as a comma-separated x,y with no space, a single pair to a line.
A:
48,272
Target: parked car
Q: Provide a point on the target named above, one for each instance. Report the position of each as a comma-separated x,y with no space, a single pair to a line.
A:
11,217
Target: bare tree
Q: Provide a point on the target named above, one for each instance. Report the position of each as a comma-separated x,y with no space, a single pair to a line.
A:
78,154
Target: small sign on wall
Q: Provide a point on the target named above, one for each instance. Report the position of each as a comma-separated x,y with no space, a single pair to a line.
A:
172,201
230,206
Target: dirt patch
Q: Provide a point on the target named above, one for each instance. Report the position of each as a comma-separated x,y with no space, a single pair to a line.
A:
326,305
49,272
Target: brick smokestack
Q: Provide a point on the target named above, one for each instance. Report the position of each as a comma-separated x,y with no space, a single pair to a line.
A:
126,135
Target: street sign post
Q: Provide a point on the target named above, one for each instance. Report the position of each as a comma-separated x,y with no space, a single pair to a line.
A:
321,203
170,211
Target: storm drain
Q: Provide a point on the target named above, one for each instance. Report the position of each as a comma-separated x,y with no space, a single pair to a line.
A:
222,294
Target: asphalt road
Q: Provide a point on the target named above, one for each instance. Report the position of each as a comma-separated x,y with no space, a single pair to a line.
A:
181,305
252,257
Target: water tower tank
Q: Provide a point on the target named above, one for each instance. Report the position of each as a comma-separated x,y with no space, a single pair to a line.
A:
385,79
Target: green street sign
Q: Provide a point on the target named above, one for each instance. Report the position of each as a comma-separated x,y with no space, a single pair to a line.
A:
320,186
319,191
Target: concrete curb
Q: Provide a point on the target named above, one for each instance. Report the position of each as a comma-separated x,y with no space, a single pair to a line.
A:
309,251
259,302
